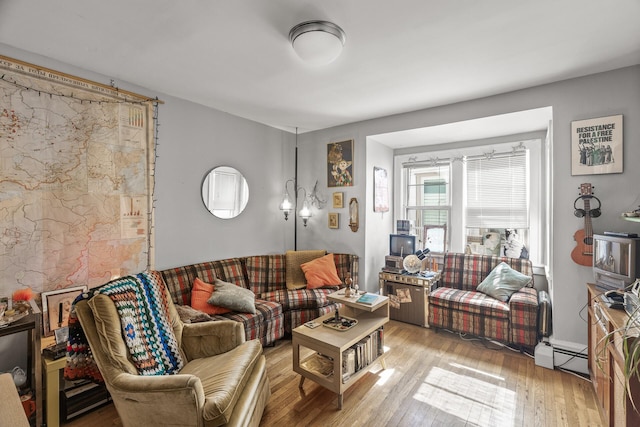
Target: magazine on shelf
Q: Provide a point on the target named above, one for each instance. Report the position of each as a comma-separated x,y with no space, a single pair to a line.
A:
368,299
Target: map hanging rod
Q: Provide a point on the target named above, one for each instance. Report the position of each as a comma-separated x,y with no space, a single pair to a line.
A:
29,69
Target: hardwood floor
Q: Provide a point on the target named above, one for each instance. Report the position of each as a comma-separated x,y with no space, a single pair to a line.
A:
432,379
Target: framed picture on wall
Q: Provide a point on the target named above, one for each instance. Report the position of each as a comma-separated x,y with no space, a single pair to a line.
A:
596,146
380,190
56,306
338,200
340,164
334,219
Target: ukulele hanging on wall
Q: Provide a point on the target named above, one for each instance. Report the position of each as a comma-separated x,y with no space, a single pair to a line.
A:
583,252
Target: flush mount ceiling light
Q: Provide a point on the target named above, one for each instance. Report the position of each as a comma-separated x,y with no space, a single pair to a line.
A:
317,42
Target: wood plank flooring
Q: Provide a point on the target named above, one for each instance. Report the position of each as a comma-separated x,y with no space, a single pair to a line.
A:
432,379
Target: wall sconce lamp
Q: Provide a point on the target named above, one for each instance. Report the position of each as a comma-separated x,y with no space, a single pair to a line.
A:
287,206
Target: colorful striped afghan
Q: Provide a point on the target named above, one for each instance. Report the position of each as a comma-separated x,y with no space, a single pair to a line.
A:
142,305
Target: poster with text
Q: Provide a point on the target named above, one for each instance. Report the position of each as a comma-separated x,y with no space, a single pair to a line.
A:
596,146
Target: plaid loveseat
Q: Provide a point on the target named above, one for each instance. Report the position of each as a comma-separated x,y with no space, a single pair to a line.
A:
457,306
278,310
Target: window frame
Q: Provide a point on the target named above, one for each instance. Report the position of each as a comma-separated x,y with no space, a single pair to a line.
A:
456,230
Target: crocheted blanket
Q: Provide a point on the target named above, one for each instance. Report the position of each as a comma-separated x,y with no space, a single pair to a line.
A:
142,305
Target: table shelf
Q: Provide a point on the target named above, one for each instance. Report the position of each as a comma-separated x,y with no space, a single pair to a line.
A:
332,344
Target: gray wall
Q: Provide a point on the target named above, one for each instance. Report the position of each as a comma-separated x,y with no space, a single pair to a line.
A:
194,139
611,93
377,225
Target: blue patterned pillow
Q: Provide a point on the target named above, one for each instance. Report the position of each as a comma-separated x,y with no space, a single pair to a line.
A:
502,282
233,297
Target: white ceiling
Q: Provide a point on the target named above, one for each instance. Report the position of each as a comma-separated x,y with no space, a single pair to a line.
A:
399,56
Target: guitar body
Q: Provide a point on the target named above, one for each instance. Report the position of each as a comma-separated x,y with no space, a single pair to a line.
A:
583,253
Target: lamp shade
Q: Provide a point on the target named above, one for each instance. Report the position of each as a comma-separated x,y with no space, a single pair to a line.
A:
317,42
286,204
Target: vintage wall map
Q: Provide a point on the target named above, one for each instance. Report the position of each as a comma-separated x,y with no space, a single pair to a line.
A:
76,160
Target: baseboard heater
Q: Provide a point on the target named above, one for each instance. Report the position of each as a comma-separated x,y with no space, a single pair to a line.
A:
570,360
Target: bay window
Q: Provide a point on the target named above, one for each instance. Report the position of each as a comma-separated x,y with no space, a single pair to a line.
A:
482,199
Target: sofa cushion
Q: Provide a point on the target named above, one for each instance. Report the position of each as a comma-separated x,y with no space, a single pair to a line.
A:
179,280
223,378
266,273
200,294
295,275
265,325
295,318
502,282
321,272
300,298
471,301
233,297
463,271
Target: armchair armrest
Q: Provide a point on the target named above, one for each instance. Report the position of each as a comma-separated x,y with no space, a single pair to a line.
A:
159,400
211,338
129,383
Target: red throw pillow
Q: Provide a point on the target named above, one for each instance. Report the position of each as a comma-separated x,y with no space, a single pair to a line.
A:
321,272
200,293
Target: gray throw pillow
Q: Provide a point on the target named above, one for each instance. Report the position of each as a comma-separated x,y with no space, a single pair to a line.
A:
502,282
233,297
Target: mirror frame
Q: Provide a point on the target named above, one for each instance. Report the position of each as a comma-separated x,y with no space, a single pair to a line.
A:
233,195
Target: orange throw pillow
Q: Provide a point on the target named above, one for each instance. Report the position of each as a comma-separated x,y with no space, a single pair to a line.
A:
321,272
200,293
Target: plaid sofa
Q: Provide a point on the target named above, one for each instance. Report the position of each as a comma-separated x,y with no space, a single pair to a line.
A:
457,306
278,309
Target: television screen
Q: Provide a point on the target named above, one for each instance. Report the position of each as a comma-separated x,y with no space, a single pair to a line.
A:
616,261
611,256
402,244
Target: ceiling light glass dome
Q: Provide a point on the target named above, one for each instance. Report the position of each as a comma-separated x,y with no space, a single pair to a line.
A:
317,42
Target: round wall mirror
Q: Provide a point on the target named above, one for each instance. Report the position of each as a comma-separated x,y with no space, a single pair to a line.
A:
225,192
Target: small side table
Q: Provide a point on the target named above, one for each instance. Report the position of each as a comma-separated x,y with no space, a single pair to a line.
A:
412,292
52,370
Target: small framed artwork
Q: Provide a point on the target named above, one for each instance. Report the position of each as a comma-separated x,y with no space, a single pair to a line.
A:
56,306
338,200
380,190
334,218
340,164
596,146
62,334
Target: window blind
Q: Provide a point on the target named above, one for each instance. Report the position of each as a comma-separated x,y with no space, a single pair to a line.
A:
498,191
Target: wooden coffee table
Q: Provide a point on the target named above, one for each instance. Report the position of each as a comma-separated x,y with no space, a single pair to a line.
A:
323,347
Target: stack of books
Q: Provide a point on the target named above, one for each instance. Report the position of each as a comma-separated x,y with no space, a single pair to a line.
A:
368,299
361,354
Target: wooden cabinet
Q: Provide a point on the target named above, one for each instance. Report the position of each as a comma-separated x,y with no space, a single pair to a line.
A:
412,294
606,362
32,324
